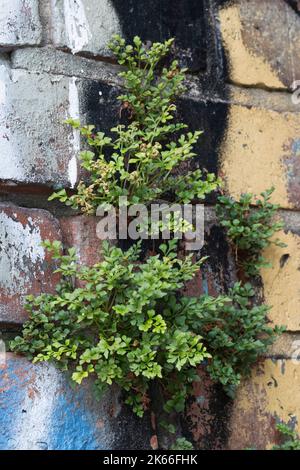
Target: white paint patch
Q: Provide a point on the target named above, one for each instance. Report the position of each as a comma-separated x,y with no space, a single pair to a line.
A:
84,25
76,25
72,171
20,249
74,139
32,428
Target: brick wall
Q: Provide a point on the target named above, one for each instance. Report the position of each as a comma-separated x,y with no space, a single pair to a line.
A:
243,61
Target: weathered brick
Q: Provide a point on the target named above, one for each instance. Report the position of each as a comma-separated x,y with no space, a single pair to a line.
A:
50,60
261,42
35,145
81,232
19,23
269,396
41,411
185,21
261,149
25,267
281,281
38,148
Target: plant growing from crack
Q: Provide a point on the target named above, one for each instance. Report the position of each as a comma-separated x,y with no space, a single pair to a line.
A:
289,438
124,321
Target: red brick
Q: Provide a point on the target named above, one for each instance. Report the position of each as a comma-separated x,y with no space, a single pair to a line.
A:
25,267
202,283
80,232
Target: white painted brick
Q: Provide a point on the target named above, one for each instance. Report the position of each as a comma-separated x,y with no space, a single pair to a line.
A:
25,267
35,145
83,25
19,23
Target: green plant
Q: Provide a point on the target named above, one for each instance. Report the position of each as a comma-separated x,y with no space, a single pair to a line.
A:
234,331
124,321
127,325
250,229
141,160
290,439
113,327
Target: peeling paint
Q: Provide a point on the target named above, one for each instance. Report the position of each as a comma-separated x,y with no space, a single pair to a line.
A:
3,96
274,34
19,251
256,144
34,143
25,268
246,67
75,137
282,282
260,148
207,413
82,25
260,404
41,410
291,162
32,426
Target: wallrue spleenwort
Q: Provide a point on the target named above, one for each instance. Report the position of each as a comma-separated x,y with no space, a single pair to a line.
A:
250,231
128,323
152,459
